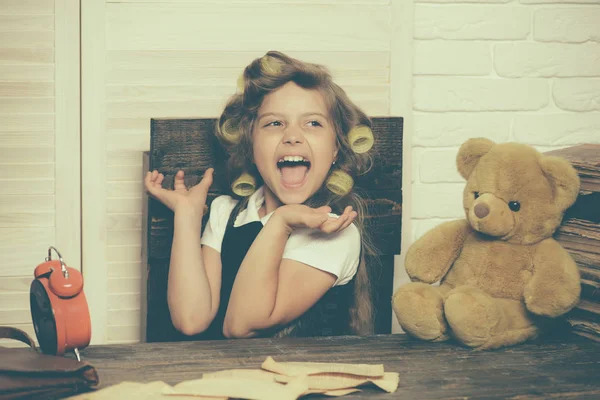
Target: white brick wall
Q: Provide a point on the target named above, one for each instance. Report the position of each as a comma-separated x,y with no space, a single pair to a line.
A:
509,70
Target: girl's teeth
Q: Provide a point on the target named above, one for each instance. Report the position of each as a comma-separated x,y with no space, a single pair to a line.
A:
292,158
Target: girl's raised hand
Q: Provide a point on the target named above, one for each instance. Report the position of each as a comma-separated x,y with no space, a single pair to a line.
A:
180,196
301,216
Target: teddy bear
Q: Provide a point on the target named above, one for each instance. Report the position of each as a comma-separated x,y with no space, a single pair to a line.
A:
502,277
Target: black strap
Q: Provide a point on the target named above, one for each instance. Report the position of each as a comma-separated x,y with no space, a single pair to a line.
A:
7,332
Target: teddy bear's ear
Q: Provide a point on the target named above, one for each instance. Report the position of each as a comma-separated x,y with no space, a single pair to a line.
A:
469,154
563,179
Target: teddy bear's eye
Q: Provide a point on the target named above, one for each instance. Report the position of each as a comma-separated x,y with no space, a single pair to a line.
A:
476,194
514,205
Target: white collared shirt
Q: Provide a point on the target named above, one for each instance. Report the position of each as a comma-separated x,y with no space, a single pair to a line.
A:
337,253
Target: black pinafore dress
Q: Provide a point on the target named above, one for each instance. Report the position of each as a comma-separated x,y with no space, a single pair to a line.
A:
330,316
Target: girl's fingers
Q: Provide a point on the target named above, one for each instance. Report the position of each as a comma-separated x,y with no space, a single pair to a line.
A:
208,177
346,224
179,184
334,224
205,183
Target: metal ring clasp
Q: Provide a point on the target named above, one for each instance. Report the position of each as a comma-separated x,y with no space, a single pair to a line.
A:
63,266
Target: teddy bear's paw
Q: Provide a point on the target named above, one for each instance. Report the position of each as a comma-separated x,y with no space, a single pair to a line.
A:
419,309
472,315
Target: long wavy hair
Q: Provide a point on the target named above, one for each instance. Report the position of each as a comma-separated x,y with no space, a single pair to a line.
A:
234,130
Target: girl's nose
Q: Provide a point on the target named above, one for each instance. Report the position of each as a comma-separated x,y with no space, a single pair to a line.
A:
293,136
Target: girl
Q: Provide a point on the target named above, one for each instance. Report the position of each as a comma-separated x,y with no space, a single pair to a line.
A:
284,254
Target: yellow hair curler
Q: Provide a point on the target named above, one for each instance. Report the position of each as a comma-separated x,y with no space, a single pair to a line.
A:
241,84
230,132
339,182
244,186
361,139
270,65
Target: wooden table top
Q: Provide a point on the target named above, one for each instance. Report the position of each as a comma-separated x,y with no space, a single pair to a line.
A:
555,367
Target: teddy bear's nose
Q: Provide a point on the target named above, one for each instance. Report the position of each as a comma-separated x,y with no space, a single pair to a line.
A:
481,210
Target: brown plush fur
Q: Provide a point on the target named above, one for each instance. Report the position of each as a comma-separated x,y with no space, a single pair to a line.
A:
498,268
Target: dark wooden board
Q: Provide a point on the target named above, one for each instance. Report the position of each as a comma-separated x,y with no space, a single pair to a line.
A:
564,366
586,159
190,145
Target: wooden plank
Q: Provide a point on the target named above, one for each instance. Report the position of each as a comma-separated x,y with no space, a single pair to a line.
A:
68,130
26,105
130,237
163,109
16,283
12,41
26,56
119,334
135,142
193,59
124,253
123,301
21,261
14,300
26,187
28,123
202,27
17,221
10,317
149,93
124,318
124,286
26,89
31,73
32,236
129,126
124,270
27,23
118,222
125,173
43,171
561,367
26,154
93,161
29,139
124,158
123,205
28,7
124,189
24,203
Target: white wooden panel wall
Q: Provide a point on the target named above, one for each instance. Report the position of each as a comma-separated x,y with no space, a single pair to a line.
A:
182,59
39,145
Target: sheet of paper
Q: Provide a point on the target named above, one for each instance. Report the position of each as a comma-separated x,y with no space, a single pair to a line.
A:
273,381
311,368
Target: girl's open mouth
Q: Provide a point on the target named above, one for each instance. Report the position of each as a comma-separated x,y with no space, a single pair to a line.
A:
293,170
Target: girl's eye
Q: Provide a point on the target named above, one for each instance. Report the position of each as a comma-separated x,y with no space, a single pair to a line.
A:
315,123
274,123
